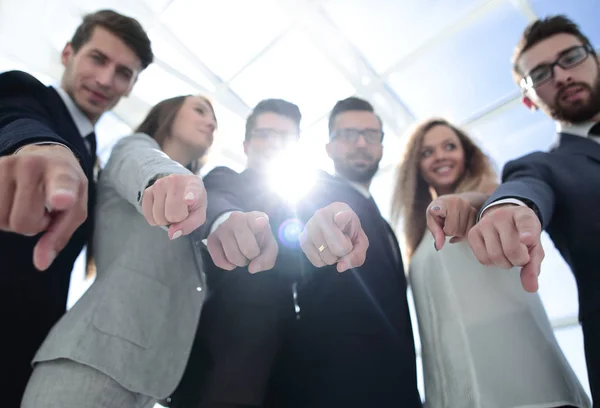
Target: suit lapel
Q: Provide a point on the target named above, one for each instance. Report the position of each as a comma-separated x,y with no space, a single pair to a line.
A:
580,145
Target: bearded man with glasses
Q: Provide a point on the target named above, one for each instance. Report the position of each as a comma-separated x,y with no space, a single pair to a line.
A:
558,72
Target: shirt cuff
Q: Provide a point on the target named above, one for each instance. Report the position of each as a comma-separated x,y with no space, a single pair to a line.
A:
220,220
499,202
42,144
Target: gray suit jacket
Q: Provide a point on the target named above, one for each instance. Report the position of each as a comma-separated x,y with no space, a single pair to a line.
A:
138,320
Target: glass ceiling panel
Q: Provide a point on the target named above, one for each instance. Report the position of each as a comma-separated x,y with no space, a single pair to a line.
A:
169,55
584,12
513,133
157,6
463,74
155,84
385,31
225,34
294,70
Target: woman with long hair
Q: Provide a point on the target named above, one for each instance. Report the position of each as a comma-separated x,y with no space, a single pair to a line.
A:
127,340
486,342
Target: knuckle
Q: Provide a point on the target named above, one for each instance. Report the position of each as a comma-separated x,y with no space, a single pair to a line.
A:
31,163
512,252
20,225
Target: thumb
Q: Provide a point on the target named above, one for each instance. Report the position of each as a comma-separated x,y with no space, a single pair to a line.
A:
260,223
531,271
343,220
528,226
194,196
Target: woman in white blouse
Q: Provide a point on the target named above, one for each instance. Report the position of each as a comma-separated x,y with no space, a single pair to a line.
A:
486,343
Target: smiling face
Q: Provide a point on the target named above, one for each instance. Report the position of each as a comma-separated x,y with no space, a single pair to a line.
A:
442,162
98,74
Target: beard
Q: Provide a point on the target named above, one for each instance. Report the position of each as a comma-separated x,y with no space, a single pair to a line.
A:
353,172
577,112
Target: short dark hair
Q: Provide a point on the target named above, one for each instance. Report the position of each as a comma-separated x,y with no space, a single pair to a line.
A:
277,106
540,30
128,29
350,104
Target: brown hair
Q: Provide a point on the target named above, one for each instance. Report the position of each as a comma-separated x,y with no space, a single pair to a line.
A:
412,194
539,31
159,122
126,28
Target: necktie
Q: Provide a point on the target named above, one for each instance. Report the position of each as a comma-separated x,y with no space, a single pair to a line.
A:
595,130
91,141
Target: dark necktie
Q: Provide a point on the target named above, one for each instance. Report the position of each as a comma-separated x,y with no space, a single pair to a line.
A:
595,130
91,141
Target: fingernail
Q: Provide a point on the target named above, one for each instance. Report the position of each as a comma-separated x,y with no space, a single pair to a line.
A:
266,217
51,257
64,191
177,234
189,196
436,208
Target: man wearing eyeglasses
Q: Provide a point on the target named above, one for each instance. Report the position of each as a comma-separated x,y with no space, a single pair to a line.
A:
559,191
255,259
353,344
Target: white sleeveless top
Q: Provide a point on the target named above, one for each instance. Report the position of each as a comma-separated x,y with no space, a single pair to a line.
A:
486,343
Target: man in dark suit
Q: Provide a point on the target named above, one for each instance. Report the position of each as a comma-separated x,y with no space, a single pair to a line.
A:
353,344
243,319
558,71
47,158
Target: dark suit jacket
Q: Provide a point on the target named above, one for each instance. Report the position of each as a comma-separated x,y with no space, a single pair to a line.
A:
245,315
32,301
353,345
563,187
351,342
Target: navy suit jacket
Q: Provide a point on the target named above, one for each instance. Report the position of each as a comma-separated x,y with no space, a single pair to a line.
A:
33,301
563,187
353,345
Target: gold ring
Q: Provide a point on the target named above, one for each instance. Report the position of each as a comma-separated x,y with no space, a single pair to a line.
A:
322,248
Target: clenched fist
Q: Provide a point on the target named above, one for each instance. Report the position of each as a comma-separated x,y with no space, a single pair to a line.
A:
177,201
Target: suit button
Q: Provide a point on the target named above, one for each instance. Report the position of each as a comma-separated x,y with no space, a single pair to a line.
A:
199,289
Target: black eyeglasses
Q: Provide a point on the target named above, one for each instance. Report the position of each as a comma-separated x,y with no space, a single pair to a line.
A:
270,134
351,135
543,73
